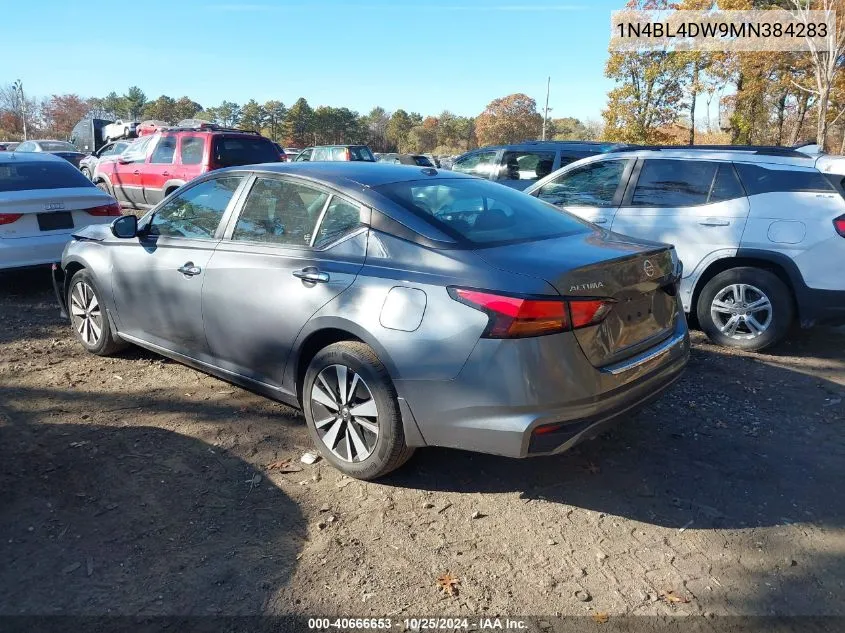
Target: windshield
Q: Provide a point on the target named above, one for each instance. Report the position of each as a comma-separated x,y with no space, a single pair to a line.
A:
22,176
482,212
57,146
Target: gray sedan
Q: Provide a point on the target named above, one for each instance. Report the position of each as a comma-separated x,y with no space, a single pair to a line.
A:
398,306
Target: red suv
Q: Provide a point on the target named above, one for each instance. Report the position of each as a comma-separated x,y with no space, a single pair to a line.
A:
154,166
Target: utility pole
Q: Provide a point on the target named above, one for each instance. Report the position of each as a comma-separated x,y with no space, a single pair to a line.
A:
546,109
18,88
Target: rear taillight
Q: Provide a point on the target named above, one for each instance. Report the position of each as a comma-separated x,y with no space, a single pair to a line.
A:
520,317
839,225
348,154
8,218
112,209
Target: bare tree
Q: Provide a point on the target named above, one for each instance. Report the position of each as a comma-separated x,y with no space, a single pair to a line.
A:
825,60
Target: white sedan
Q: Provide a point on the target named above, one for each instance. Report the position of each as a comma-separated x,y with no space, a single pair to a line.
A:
43,200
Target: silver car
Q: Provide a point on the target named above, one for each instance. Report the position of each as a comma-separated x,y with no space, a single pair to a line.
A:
398,306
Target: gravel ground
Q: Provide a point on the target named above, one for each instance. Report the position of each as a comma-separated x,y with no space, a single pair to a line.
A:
134,485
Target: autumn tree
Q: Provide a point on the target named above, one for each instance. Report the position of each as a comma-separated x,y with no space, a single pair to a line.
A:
509,120
569,129
61,112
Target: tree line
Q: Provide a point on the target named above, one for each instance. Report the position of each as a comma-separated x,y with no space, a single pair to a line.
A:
510,119
762,98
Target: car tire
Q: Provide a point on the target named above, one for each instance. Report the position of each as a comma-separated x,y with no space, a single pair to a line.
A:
87,314
348,441
86,173
745,308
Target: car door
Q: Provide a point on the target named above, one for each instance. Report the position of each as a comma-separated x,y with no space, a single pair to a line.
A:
158,276
158,170
521,168
126,172
293,247
699,206
591,191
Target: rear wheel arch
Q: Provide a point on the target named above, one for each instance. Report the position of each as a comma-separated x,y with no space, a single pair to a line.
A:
780,266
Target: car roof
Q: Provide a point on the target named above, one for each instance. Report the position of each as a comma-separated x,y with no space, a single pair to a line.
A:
30,157
593,146
719,153
360,173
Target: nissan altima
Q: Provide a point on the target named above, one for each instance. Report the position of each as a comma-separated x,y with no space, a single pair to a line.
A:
398,306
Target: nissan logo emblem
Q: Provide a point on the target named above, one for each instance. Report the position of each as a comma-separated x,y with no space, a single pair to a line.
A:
648,267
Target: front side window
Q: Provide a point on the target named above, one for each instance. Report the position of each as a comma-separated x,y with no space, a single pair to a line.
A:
196,212
479,164
482,212
676,183
340,217
137,151
592,185
193,148
279,212
164,151
526,165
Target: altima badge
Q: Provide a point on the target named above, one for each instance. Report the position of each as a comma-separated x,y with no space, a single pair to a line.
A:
648,267
593,285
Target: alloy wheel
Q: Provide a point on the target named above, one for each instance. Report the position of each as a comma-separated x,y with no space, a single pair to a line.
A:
85,312
344,413
741,311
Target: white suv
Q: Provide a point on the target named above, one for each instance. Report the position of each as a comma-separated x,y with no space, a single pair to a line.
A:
760,231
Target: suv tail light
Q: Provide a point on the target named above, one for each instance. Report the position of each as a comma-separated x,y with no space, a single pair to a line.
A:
348,154
112,210
520,317
839,225
8,218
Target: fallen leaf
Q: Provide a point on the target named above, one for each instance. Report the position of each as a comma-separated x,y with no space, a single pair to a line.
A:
283,466
592,468
448,584
671,596
601,617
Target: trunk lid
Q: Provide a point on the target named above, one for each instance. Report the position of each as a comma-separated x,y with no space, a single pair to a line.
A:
640,276
32,203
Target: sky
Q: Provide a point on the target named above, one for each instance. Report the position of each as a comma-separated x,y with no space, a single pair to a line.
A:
420,55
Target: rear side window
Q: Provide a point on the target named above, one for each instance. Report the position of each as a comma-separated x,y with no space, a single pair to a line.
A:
340,217
193,148
163,153
244,150
23,176
759,180
361,153
526,165
279,212
482,212
684,183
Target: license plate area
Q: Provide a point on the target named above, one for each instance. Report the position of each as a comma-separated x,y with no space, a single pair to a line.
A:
55,221
632,311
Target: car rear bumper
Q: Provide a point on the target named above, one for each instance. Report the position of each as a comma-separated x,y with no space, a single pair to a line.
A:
526,397
20,252
822,307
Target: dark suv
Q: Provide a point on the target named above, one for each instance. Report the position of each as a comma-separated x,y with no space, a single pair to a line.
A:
154,166
521,164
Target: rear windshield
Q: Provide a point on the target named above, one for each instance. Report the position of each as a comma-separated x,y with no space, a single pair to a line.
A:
361,153
22,176
423,161
57,146
244,150
482,212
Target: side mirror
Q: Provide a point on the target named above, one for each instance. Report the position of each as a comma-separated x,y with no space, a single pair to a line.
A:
125,227
123,160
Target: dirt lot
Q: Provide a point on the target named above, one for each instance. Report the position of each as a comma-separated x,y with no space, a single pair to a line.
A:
129,486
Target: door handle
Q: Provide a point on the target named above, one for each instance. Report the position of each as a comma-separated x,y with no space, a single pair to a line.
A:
599,221
165,173
189,270
137,172
311,275
714,222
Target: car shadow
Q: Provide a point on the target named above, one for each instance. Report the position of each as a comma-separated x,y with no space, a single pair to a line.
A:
737,442
136,521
